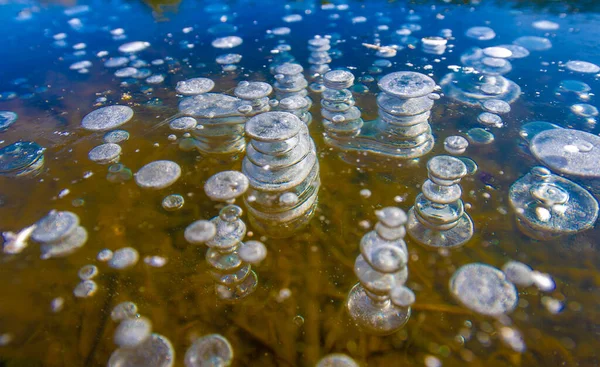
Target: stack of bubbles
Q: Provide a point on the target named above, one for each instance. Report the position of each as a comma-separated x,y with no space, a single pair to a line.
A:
255,96
282,55
138,346
341,119
548,206
281,164
290,82
487,82
405,104
219,124
438,218
434,45
20,159
319,60
380,302
298,106
59,234
229,62
583,115
223,235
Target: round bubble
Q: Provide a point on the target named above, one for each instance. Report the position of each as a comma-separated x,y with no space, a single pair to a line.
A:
402,296
227,42
273,126
496,106
155,79
17,157
391,216
456,144
228,59
7,118
116,136
337,360
86,288
518,52
584,110
479,136
226,185
155,351
173,202
185,123
582,67
200,232
133,47
484,289
481,33
88,272
545,25
131,332
107,118
194,86
116,62
55,226
406,84
533,43
104,255
252,252
210,350
252,90
518,273
105,153
568,151
124,310
497,52
124,258
158,175
490,119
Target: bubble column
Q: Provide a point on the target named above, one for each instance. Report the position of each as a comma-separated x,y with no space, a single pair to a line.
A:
405,104
255,96
380,303
281,165
298,106
438,218
319,59
341,119
223,235
289,81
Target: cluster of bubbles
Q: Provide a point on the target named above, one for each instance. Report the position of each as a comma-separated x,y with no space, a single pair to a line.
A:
230,259
319,60
108,119
282,167
402,130
438,218
405,104
482,76
380,302
215,121
137,345
59,233
289,82
547,206
280,176
434,45
341,118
